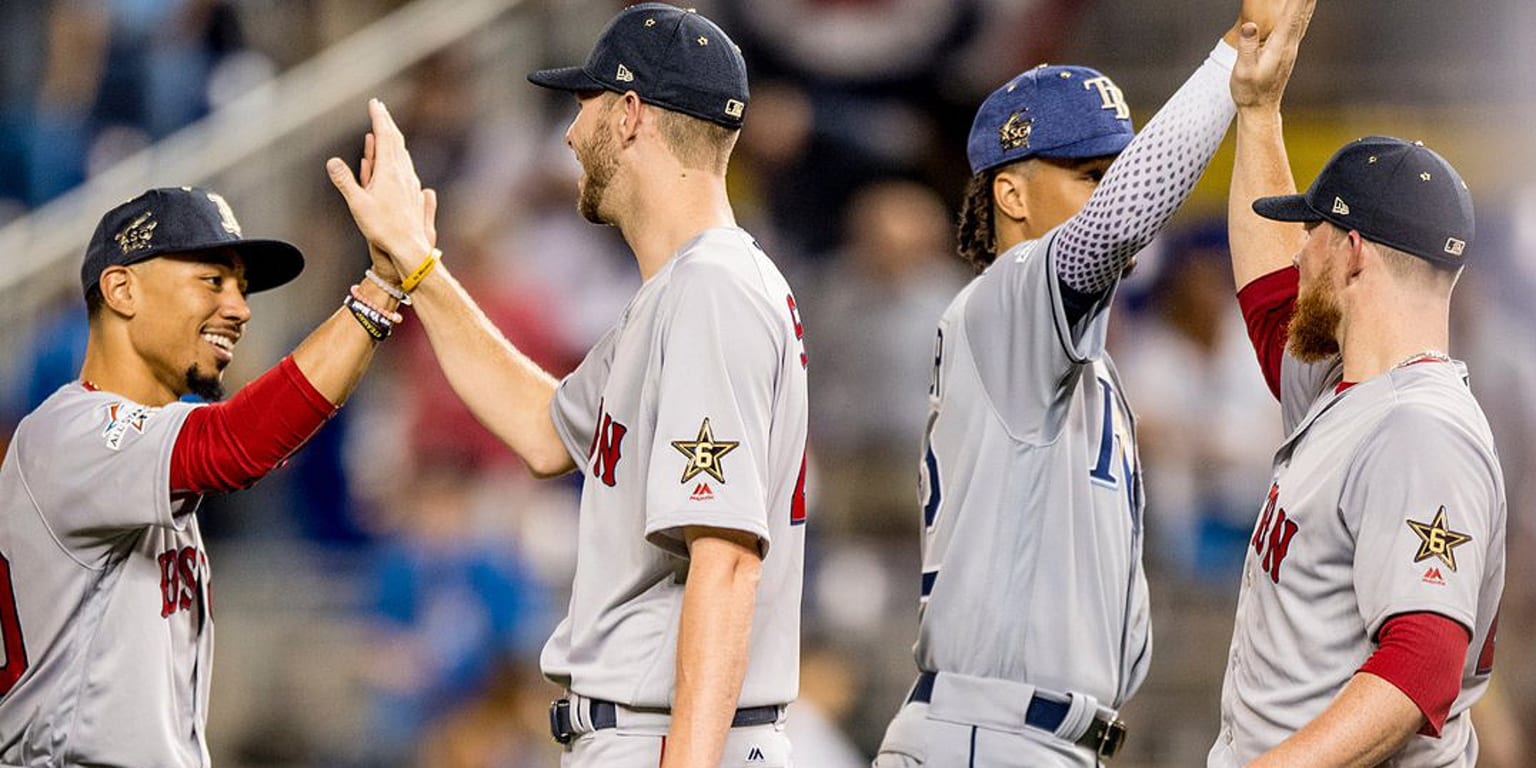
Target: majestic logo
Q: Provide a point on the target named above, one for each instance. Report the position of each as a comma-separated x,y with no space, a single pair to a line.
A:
1437,540
1015,133
138,234
734,108
226,214
704,453
1433,576
624,75
701,492
122,417
1455,247
1340,207
1110,96
755,754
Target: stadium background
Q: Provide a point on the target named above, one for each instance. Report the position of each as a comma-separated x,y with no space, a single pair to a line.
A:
381,601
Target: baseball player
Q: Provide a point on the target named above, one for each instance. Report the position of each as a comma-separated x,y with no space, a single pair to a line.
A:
688,419
104,579
1034,626
1366,620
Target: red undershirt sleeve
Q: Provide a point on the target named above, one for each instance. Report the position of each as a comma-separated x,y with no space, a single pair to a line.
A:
229,446
1422,654
1268,303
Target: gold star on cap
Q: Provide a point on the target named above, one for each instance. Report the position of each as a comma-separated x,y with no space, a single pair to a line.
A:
1371,160
703,40
1425,176
1438,540
650,22
704,453
1014,134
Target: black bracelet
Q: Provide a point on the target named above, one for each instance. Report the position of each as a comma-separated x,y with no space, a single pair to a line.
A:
377,325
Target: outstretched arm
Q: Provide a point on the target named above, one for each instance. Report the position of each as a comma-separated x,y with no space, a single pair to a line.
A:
505,390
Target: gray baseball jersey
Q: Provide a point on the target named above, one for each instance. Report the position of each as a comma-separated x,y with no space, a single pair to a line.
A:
104,596
1031,487
691,411
1387,498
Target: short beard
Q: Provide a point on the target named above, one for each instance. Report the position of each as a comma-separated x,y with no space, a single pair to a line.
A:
1313,327
599,163
209,388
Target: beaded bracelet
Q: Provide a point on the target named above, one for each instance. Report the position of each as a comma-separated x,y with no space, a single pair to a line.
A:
377,325
394,318
389,288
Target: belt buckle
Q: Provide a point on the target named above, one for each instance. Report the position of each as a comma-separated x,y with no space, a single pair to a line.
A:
560,722
1112,739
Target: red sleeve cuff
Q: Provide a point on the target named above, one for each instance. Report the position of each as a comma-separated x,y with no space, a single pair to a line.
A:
1422,654
1268,303
229,446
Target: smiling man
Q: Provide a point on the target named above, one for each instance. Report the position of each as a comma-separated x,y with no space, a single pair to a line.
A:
104,610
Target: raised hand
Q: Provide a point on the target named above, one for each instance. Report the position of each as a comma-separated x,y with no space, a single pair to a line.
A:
1264,64
390,207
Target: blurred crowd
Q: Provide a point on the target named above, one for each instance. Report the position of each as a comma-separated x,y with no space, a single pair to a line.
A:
384,598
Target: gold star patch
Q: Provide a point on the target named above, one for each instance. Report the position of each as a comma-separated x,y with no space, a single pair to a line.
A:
1438,540
1015,133
704,453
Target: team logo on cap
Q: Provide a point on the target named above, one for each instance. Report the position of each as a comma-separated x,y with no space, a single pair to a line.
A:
1455,247
138,234
226,214
624,75
1436,539
734,108
1340,207
1015,133
704,453
1110,96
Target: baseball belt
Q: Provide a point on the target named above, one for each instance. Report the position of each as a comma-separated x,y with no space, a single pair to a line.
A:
1104,737
605,714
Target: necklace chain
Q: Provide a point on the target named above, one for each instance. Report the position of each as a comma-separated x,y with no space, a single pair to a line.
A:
1428,354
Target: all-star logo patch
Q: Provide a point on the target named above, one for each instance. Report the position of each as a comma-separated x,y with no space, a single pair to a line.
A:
704,453
1014,134
122,417
1436,539
138,234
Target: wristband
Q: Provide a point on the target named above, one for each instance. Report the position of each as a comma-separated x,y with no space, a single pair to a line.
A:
374,323
414,279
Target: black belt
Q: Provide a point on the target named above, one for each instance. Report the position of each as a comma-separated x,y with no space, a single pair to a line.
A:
605,714
1105,737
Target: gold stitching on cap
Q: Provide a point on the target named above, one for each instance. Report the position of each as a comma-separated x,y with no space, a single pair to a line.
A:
138,234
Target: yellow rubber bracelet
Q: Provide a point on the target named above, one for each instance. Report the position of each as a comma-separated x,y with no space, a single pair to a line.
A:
414,279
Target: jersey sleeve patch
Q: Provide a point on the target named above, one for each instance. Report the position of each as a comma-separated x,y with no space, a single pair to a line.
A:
122,417
704,455
1436,539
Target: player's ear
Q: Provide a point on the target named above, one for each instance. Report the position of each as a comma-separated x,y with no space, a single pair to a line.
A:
1354,261
629,110
1008,195
120,290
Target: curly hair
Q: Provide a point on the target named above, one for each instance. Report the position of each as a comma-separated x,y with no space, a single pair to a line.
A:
976,237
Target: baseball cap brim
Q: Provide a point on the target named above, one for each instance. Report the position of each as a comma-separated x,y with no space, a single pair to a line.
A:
268,263
573,79
1286,208
1094,146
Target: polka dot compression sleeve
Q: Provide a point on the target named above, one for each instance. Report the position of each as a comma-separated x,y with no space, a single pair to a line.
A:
1149,181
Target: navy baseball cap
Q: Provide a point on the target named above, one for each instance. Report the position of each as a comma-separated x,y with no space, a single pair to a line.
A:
174,220
1397,193
1050,111
670,57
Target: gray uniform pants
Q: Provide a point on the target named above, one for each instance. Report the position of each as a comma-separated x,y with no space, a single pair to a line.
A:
639,738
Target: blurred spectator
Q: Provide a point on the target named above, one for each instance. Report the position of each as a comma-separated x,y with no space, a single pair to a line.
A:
871,318
1206,423
829,687
505,727
451,605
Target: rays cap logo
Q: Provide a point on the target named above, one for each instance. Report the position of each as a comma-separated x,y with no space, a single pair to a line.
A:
1399,193
1061,112
670,57
177,220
